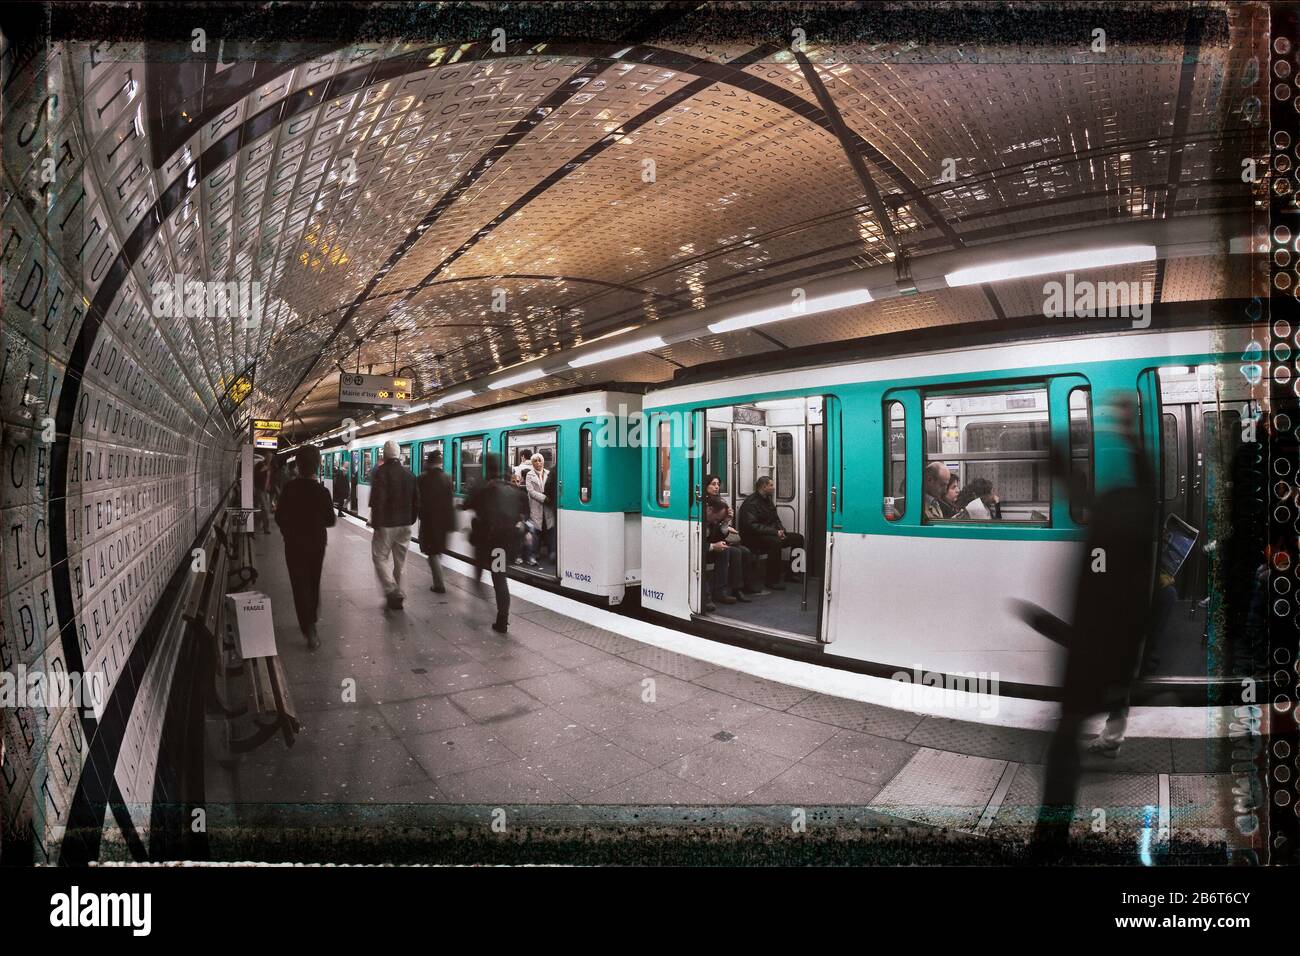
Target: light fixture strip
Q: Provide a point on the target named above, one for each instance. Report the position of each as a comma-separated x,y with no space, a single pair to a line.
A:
1077,261
617,351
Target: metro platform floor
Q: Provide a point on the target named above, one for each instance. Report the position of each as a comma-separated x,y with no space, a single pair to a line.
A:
550,730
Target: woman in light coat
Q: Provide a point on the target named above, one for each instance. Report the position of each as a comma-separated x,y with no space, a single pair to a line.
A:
541,514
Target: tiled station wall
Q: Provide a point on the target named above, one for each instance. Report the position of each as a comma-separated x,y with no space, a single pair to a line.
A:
111,458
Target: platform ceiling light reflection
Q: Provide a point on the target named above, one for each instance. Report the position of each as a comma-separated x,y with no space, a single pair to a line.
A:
529,375
778,313
617,351
1077,261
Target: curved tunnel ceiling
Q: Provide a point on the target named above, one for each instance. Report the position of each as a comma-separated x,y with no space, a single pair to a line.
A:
472,208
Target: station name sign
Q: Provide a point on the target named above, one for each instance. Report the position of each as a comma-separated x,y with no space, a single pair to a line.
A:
374,390
267,424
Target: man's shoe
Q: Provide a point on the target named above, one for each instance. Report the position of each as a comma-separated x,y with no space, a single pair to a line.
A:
774,587
1104,748
740,596
709,608
394,602
437,589
725,599
756,592
313,639
499,627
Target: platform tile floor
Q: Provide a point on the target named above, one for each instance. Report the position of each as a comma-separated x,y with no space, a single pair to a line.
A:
429,706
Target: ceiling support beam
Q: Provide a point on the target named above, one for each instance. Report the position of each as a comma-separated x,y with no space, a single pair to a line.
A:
845,136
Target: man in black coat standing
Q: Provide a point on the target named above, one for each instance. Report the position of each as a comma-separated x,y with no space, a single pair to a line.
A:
303,514
437,515
762,532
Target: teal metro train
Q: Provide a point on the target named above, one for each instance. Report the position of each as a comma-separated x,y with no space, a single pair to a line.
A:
887,585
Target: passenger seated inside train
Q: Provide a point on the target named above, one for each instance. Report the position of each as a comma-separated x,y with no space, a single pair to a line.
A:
978,502
934,486
762,532
949,500
732,579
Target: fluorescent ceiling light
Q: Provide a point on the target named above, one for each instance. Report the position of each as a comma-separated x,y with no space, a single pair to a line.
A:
518,378
423,406
385,418
777,313
780,403
1079,260
616,351
453,397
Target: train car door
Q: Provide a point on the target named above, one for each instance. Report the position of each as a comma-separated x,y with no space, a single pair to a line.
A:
696,466
540,553
831,508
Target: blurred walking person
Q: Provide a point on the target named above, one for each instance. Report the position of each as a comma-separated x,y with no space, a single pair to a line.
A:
437,516
495,534
394,505
303,513
1112,610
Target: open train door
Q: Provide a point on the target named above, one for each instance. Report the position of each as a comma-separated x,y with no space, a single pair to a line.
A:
832,487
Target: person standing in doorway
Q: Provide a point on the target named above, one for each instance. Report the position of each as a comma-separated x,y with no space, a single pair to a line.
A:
394,505
340,487
303,513
437,516
542,515
495,534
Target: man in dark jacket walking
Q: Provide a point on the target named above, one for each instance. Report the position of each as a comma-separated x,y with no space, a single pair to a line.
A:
762,532
394,505
437,515
303,514
495,534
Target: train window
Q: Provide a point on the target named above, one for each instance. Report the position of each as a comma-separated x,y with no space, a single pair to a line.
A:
996,444
784,466
405,450
471,462
1222,442
365,465
430,448
663,441
718,460
1169,454
584,464
895,503
1080,405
